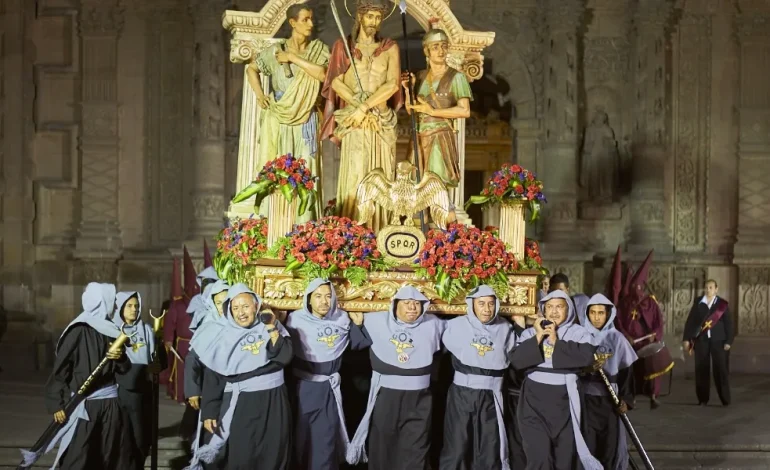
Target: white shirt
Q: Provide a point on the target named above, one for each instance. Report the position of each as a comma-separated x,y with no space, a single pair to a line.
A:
704,300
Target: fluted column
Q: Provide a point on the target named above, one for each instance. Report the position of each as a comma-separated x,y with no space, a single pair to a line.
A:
100,24
209,143
648,227
560,141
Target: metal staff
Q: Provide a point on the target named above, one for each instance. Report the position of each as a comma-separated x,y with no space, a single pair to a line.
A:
157,366
344,37
415,144
626,422
75,400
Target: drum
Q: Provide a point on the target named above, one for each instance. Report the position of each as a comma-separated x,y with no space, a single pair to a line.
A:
656,360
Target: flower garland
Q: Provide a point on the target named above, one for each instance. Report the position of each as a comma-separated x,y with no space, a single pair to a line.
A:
511,184
239,245
323,247
289,175
462,258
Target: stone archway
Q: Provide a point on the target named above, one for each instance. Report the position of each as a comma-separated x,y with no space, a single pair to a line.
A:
251,32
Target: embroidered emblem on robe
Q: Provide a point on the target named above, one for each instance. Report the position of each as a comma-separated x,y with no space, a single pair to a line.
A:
327,335
252,344
483,345
135,347
401,341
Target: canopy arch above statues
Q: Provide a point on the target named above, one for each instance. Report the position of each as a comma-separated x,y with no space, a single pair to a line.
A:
253,31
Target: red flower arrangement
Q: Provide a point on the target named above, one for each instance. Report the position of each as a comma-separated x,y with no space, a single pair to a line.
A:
512,184
532,258
461,258
291,176
239,244
320,248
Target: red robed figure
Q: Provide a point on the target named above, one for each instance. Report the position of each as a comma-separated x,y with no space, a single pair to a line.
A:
639,315
176,331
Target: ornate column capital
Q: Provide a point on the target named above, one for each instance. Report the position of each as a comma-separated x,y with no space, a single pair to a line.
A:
101,18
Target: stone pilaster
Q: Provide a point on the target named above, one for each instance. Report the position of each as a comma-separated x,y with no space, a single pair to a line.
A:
650,137
560,141
209,142
754,140
100,24
752,251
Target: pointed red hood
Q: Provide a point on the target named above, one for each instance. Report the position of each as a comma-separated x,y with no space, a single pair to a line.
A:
614,281
176,281
639,279
191,287
207,263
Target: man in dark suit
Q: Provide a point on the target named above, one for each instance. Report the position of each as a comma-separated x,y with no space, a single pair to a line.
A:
708,334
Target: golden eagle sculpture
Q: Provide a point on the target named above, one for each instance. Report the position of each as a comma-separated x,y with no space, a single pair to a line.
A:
403,197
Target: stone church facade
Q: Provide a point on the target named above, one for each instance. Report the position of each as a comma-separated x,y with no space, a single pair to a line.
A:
119,124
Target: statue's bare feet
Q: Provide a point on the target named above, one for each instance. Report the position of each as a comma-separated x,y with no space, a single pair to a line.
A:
451,217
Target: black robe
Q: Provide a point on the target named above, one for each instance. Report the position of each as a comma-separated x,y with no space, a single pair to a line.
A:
471,438
260,432
512,383
135,397
400,426
601,425
99,442
544,416
315,409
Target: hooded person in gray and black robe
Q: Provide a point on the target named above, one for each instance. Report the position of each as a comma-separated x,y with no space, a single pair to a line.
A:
320,333
397,422
550,406
208,317
245,406
603,429
479,343
92,435
134,387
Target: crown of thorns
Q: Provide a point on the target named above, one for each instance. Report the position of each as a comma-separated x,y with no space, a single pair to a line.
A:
368,5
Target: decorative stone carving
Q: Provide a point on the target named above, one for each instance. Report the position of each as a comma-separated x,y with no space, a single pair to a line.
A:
688,284
208,119
99,233
207,206
104,17
607,58
168,118
754,301
464,50
692,121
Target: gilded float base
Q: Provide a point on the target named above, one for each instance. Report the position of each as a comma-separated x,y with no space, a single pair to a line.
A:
282,291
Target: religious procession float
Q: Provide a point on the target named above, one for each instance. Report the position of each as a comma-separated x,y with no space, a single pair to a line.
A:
391,224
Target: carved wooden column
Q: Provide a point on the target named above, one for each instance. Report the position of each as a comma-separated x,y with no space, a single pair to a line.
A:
209,143
650,138
560,141
100,24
